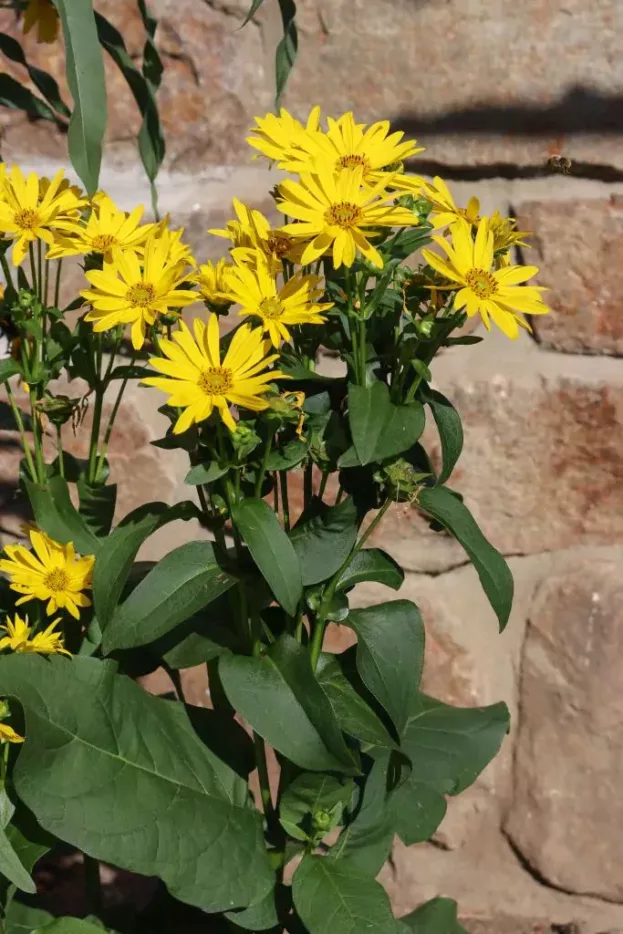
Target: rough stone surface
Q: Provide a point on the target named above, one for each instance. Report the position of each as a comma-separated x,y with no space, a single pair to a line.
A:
564,817
586,281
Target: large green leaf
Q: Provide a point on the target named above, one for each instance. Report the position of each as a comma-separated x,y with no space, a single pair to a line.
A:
262,916
280,698
27,839
364,844
97,505
372,564
438,916
86,80
379,428
11,866
324,539
72,926
493,571
202,637
44,82
58,517
338,678
272,551
450,429
390,654
450,746
285,55
124,777
182,583
119,550
333,899
418,811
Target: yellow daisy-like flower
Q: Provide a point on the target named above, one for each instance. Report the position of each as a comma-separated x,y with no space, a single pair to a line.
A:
505,233
106,228
136,292
53,573
445,211
213,281
279,137
296,302
18,638
43,15
177,251
252,231
348,145
199,382
27,214
498,294
335,213
8,734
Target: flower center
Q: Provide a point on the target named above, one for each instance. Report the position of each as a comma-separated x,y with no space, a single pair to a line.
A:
353,161
271,308
27,219
103,242
278,244
56,580
343,214
141,294
481,282
215,381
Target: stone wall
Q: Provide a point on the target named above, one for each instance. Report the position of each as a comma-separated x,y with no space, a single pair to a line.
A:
492,90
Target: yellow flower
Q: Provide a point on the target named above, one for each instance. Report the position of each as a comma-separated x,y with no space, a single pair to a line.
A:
106,228
197,380
255,288
27,214
8,734
335,213
43,15
18,638
279,138
445,212
505,233
136,292
252,231
213,281
348,145
177,251
52,573
496,294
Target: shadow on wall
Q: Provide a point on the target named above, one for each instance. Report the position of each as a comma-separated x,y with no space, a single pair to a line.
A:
581,112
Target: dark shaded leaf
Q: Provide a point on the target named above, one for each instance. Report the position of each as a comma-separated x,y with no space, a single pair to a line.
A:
285,55
439,916
364,844
340,681
16,97
450,429
372,564
44,82
97,505
324,538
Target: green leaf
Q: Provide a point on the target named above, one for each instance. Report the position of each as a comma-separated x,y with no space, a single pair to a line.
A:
12,868
272,551
308,794
22,919
119,550
364,844
182,583
438,916
493,571
205,473
202,638
72,926
332,899
280,698
58,517
379,428
259,917
16,97
340,682
285,55
450,746
288,456
161,803
151,139
97,505
9,368
450,429
372,564
86,80
254,8
44,82
418,811
390,654
27,839
324,538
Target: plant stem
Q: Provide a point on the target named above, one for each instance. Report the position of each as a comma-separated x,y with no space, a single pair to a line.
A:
57,284
285,505
340,494
262,773
93,885
17,415
40,271
321,619
97,411
61,458
33,268
362,351
36,434
46,281
113,414
6,270
323,483
262,472
275,494
308,489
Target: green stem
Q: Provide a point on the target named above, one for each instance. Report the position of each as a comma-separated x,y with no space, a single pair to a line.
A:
285,504
17,415
33,268
93,885
362,351
262,472
154,200
97,411
46,280
113,414
275,494
61,457
308,488
36,434
57,284
40,270
262,772
6,270
321,619
323,483
340,494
